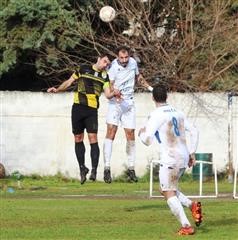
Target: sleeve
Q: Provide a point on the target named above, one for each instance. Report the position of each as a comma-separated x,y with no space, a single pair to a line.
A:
137,69
107,82
112,72
193,135
151,128
77,74
134,66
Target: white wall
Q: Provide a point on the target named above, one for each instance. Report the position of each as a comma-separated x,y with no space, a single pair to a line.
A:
36,132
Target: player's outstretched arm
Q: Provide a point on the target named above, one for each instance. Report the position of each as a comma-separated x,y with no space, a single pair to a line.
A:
63,86
141,80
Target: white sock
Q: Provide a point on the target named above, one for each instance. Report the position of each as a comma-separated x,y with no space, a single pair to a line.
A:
107,152
178,211
130,151
185,201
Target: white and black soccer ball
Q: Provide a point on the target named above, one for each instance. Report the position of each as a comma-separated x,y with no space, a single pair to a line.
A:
107,14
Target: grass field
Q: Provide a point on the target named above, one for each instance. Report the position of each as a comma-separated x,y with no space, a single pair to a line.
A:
58,208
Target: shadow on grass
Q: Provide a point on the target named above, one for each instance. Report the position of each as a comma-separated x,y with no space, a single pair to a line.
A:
224,221
145,207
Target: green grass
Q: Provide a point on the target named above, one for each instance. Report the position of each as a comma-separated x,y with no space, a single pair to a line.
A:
58,208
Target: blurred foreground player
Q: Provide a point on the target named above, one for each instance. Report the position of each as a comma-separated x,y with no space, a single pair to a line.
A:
168,126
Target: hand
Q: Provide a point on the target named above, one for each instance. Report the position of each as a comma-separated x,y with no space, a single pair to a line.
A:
192,160
141,131
117,94
52,90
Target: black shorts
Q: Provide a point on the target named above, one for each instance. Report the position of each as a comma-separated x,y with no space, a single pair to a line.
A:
84,117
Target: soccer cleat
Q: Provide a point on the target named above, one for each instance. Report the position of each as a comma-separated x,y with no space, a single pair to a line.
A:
93,175
83,173
197,212
107,176
132,175
186,231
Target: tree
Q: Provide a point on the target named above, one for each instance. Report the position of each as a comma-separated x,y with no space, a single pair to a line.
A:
30,28
191,44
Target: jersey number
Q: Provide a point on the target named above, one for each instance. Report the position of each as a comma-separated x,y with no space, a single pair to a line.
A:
175,124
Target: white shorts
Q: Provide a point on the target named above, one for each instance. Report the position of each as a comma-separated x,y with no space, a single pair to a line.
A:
123,113
169,177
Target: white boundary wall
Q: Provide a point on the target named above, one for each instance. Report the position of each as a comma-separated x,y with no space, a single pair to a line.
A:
36,133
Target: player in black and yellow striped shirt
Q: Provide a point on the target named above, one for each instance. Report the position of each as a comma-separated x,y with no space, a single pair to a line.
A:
91,81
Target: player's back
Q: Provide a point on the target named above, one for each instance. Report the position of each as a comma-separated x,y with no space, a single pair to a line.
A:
171,135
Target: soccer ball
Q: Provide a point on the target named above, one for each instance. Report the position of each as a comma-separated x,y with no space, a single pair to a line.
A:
107,13
2,171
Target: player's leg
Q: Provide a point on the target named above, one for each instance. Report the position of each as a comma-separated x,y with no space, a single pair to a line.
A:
107,151
129,124
78,131
91,124
94,154
130,151
195,207
185,201
168,177
112,120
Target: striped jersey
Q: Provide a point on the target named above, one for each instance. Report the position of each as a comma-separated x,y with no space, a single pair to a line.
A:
90,85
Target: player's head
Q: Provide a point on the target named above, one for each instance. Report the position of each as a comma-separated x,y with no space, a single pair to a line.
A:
160,93
123,55
103,61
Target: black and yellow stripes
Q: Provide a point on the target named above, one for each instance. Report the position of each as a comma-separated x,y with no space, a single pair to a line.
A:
90,86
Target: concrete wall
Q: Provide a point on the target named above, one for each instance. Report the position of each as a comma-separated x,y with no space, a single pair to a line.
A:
36,133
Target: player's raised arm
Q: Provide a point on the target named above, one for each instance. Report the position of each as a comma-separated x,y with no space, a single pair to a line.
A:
141,80
63,86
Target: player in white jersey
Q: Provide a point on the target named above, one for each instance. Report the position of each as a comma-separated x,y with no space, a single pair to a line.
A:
123,74
168,126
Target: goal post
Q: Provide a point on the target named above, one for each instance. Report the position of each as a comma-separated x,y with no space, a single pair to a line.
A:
235,181
233,138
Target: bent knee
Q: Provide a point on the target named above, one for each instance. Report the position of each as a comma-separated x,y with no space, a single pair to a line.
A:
78,138
111,132
130,134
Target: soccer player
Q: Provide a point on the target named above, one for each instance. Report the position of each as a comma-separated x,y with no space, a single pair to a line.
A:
123,74
168,126
91,81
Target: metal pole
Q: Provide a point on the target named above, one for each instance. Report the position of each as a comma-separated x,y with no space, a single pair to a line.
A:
200,178
151,178
230,150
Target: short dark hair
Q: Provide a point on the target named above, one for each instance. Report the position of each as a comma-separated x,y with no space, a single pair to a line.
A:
160,93
104,54
123,49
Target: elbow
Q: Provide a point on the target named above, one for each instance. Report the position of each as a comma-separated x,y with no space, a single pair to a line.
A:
147,142
108,96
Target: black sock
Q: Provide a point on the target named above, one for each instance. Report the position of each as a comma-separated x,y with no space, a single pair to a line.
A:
95,152
80,151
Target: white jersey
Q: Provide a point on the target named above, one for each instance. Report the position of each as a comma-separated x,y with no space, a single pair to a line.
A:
168,127
124,77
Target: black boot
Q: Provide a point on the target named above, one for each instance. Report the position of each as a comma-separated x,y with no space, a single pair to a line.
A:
83,173
93,175
132,175
107,176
